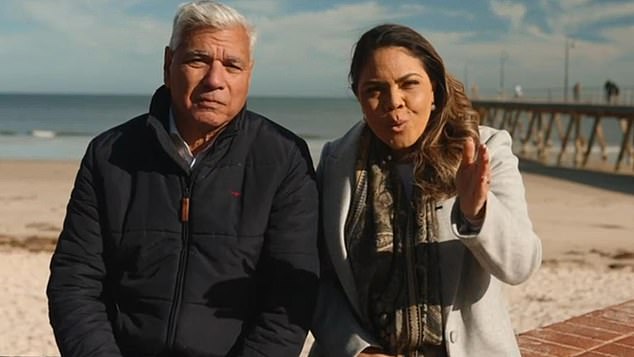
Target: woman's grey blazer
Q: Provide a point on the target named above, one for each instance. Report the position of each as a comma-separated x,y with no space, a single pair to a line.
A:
472,266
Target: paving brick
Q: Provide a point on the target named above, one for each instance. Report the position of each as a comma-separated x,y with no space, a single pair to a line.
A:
619,316
584,331
549,334
591,354
628,341
616,350
528,353
603,324
626,307
607,332
546,348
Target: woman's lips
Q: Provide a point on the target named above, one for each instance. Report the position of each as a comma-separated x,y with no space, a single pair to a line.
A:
398,125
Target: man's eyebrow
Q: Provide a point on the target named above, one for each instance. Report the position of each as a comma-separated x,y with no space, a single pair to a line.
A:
197,53
235,59
206,54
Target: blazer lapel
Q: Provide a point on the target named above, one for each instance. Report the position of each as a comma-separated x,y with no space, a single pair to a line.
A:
337,189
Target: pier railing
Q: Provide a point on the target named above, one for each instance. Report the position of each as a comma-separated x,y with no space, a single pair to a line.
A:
533,123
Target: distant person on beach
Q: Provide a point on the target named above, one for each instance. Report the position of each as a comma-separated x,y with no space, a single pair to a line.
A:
191,230
611,92
576,92
615,93
518,91
424,215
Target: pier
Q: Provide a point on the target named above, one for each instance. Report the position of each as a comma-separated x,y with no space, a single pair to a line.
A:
531,124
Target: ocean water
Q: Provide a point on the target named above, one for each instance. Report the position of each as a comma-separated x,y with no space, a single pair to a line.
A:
59,127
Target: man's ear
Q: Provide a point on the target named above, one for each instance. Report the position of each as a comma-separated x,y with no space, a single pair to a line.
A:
167,62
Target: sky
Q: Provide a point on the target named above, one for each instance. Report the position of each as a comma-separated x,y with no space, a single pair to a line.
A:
304,46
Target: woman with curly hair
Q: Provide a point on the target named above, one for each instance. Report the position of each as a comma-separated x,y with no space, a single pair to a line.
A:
424,215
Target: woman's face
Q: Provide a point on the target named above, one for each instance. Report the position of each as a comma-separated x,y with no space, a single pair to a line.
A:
396,96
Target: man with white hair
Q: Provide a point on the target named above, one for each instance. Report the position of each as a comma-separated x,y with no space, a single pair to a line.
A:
191,230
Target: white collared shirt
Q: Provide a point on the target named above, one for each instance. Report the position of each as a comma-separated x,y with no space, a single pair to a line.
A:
181,145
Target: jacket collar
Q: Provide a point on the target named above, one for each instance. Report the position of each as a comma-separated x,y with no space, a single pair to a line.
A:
162,101
159,118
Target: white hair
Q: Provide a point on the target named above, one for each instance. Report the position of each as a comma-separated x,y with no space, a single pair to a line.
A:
207,13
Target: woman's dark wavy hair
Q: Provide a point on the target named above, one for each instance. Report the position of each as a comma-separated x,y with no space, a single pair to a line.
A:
450,124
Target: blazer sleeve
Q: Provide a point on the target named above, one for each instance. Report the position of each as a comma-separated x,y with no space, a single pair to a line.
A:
506,245
77,309
335,326
289,265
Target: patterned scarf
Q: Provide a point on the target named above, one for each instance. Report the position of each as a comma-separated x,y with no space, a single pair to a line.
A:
393,249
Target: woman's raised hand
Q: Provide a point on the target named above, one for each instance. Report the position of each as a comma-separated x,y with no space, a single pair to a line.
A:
473,180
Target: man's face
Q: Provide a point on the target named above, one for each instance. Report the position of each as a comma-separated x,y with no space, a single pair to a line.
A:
208,76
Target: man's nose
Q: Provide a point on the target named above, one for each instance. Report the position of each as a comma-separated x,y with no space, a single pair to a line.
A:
215,76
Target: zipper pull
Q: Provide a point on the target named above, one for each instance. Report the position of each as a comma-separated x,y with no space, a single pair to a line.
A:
185,209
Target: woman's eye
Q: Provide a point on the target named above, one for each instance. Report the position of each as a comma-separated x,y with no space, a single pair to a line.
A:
372,90
410,84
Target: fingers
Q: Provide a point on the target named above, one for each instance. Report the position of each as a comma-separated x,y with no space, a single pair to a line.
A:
484,164
483,169
468,152
474,178
481,165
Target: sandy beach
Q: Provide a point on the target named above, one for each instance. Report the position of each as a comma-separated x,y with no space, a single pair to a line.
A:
583,218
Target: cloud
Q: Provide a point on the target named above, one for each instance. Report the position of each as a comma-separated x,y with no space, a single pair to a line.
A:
571,4
260,7
101,45
310,50
535,55
117,47
100,25
513,12
571,15
620,43
461,14
73,45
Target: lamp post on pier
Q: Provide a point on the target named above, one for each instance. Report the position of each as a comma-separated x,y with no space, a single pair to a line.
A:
568,45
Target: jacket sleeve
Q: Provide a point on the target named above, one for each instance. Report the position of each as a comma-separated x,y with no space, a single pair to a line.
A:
506,245
335,327
77,310
289,265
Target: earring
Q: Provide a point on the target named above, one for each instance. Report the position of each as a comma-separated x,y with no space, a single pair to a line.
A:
433,107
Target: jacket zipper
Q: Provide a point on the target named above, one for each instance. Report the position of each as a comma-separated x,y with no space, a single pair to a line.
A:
182,264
